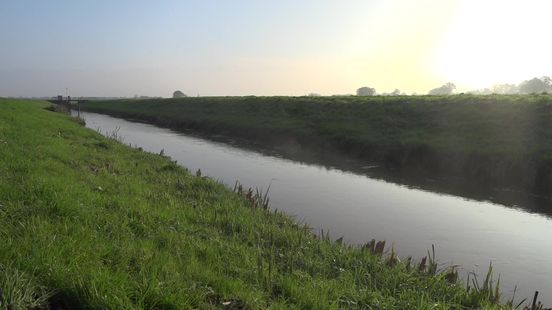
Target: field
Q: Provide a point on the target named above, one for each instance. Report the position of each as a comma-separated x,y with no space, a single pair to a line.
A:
88,222
495,141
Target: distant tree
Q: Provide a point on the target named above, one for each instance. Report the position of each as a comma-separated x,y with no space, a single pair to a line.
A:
366,91
536,85
314,95
444,90
396,92
179,94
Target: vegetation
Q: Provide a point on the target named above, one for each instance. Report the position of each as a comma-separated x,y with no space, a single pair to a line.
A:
87,222
444,90
532,86
366,91
178,94
496,141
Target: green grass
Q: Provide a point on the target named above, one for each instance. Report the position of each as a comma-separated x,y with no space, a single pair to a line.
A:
87,222
495,140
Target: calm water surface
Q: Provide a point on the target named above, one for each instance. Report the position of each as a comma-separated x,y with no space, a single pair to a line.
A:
465,232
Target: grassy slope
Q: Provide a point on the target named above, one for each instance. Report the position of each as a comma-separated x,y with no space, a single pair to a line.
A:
499,140
106,226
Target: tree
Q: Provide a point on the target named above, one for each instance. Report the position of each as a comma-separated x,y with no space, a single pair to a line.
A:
366,91
444,90
536,85
179,94
396,92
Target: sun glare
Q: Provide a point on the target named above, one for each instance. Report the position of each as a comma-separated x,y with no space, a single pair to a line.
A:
492,42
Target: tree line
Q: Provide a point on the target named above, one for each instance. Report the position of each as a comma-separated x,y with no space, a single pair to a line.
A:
533,86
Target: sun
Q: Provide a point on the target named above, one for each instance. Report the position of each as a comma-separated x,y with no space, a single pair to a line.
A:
492,42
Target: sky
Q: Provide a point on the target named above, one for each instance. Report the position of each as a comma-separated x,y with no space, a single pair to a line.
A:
252,47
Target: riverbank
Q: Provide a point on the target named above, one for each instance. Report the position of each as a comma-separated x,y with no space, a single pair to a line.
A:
89,222
490,141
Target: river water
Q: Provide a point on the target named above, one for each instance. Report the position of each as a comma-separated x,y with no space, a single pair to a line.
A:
465,232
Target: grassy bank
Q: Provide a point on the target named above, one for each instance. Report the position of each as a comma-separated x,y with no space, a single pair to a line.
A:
501,141
87,222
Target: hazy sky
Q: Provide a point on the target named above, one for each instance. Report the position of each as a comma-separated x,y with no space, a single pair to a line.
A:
284,47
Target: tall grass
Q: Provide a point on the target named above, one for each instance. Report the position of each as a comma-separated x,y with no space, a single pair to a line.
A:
19,290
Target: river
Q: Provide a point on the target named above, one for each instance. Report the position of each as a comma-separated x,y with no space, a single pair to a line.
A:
465,232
